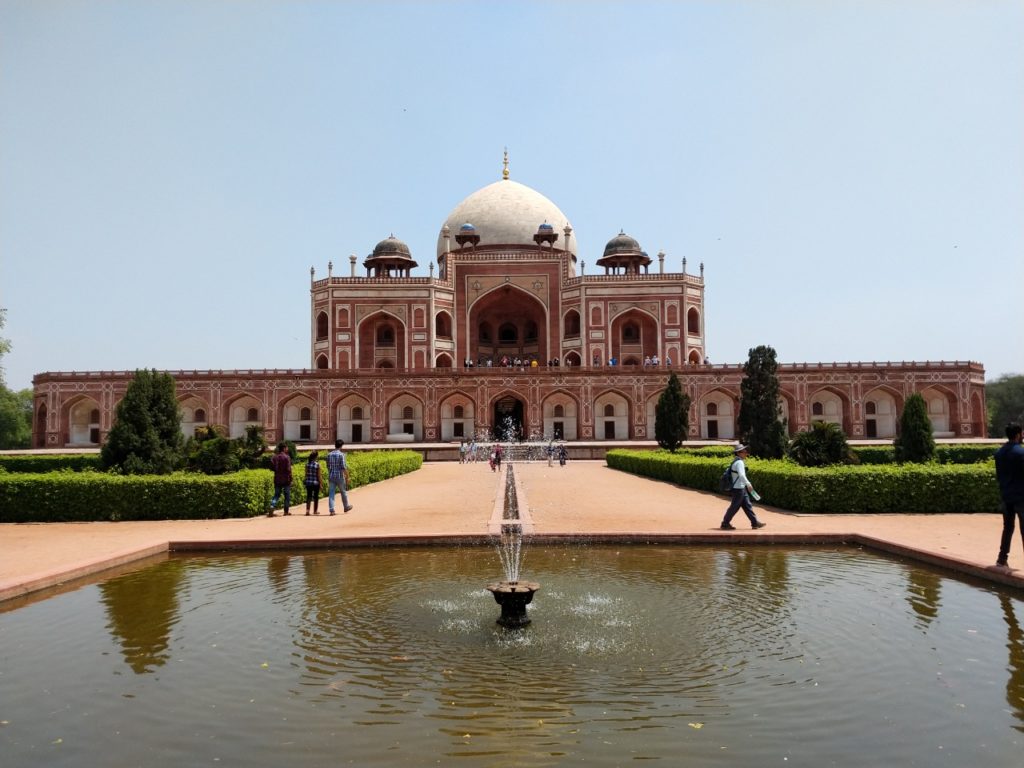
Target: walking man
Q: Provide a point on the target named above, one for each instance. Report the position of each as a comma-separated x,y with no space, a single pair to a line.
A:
741,490
282,465
1010,475
337,477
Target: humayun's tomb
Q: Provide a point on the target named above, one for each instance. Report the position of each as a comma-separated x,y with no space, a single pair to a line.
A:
510,331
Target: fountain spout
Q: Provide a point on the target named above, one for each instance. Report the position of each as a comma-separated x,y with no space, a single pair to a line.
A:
512,594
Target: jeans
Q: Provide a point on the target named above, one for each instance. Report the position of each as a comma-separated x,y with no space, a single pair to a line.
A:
1013,511
312,495
278,490
335,485
740,498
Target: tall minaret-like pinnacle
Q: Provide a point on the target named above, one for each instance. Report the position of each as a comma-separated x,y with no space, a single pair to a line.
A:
504,170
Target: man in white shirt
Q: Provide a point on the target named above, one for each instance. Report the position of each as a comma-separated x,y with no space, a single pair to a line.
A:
741,490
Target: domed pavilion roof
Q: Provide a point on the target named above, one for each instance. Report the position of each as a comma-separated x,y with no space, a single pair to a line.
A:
392,251
507,213
623,251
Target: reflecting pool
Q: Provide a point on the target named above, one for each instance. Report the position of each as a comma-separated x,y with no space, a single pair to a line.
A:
684,655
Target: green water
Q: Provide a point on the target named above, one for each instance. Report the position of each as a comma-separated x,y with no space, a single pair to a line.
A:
677,655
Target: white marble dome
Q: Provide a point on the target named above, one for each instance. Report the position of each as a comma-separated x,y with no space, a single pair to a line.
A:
506,213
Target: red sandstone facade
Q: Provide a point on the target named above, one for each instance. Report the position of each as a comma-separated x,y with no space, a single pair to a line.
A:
510,333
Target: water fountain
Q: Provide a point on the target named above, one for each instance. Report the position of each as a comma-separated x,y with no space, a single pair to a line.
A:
512,594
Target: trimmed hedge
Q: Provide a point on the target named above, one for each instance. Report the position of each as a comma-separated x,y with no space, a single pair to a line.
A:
87,496
841,489
50,462
944,454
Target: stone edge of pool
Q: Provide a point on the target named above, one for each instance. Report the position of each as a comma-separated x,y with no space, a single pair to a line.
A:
90,568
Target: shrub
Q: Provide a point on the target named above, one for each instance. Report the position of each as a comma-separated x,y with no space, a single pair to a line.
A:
823,444
146,437
915,441
760,426
672,415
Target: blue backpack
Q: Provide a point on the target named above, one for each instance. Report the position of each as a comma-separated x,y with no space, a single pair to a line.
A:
726,480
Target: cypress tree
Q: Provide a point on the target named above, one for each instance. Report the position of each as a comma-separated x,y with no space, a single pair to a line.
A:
915,441
760,426
672,415
146,436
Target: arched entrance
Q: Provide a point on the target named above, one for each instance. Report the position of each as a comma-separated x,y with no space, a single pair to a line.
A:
508,418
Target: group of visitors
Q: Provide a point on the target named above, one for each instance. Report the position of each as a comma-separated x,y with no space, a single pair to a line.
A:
337,479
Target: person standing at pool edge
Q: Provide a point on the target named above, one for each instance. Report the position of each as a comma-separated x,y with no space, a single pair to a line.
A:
337,477
1010,475
281,463
741,490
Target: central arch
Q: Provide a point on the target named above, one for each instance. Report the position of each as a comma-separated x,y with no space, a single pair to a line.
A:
509,417
507,322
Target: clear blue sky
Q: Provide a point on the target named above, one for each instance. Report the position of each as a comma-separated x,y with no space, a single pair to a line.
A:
850,173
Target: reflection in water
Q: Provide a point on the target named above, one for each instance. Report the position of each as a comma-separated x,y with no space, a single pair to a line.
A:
695,655
141,609
277,571
1015,666
923,592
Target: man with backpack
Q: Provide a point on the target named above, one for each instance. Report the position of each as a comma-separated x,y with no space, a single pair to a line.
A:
741,490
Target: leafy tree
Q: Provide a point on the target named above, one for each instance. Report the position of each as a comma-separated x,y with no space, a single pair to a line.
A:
15,418
146,437
823,444
15,407
672,415
1004,399
915,441
760,426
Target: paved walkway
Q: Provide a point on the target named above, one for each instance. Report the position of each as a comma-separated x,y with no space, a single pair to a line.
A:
447,501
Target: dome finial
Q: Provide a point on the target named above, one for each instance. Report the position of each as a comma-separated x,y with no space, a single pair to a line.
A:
504,170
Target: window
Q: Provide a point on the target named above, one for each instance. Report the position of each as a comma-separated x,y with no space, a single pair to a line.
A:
357,413
559,412
252,414
508,334
870,408
693,322
321,326
321,362
457,430
94,416
408,412
304,432
305,414
630,333
407,428
200,415
609,410
817,409
443,326
458,412
712,409
572,324
385,336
